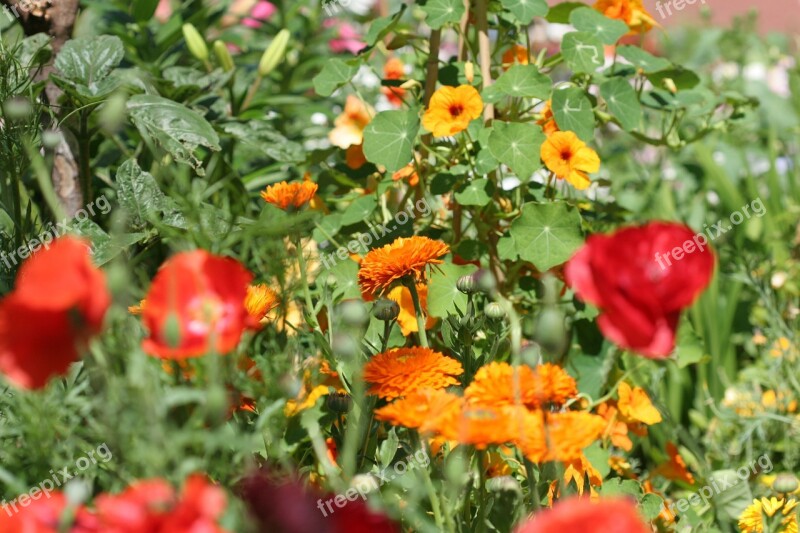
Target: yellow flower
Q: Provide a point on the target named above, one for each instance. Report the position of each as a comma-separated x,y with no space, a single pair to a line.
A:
407,318
635,405
451,109
260,301
763,514
349,126
569,158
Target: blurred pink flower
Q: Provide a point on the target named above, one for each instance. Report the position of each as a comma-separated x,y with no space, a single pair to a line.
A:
347,39
260,13
164,10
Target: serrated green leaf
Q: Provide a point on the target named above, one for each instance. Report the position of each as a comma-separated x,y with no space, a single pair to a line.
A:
643,60
544,234
389,138
608,31
441,12
85,65
443,295
525,81
517,145
582,51
173,126
525,10
334,74
572,111
622,102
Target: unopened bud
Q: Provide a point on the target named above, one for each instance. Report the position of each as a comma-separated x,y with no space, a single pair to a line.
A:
385,310
785,483
469,71
467,284
224,56
494,310
338,402
274,53
195,42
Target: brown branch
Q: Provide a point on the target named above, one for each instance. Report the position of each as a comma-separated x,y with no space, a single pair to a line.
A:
484,54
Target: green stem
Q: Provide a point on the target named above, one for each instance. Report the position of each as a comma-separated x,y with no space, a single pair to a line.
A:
84,155
309,314
423,336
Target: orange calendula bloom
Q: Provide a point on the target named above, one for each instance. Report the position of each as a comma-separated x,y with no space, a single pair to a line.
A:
394,70
451,109
516,54
548,120
500,384
558,436
422,410
675,468
410,256
349,126
631,12
482,426
577,470
401,371
260,300
635,405
285,194
407,318
569,158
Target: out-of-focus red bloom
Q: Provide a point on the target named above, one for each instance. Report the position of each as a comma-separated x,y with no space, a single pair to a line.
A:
347,38
581,515
394,70
58,303
196,304
285,506
641,282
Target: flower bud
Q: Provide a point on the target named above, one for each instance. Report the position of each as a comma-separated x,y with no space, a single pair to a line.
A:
51,139
385,310
467,284
17,108
345,346
504,484
338,402
469,71
494,310
195,42
785,483
354,313
223,56
274,53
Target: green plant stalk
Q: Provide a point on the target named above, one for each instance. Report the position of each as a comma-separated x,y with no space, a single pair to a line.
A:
423,336
251,93
43,179
309,314
85,157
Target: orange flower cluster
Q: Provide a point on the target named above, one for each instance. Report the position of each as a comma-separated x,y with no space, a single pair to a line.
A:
405,257
285,195
394,70
633,412
631,12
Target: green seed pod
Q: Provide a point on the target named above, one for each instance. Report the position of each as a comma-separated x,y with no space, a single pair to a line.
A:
467,284
504,484
51,139
354,313
494,310
385,310
224,56
274,53
195,42
551,333
785,483
338,402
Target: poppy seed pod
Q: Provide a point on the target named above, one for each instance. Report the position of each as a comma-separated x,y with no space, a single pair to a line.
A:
494,310
467,284
195,42
785,483
385,310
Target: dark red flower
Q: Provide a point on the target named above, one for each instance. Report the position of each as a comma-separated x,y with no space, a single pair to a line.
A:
581,515
57,305
641,278
195,305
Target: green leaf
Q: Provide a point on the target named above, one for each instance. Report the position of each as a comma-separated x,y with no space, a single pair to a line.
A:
525,81
608,31
476,192
730,502
651,506
598,457
443,295
262,138
389,138
139,194
378,28
682,78
85,65
441,12
104,247
544,234
622,102
583,52
525,10
359,210
573,112
616,487
173,126
334,74
643,60
517,145
559,14
345,274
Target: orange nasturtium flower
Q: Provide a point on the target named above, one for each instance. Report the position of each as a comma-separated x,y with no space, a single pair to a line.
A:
284,194
349,126
260,300
401,371
675,468
517,54
394,70
547,120
410,256
569,158
408,172
451,109
407,318
635,405
631,12
196,305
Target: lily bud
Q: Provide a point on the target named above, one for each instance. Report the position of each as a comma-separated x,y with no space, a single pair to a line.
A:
223,56
274,53
195,42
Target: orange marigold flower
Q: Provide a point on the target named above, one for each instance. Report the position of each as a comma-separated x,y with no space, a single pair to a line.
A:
635,405
285,194
548,120
516,54
349,126
401,371
569,158
497,384
675,468
410,256
407,318
421,410
451,109
631,12
260,300
408,172
482,425
558,436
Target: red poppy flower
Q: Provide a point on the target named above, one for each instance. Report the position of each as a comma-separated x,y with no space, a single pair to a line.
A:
58,303
641,278
195,305
581,515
